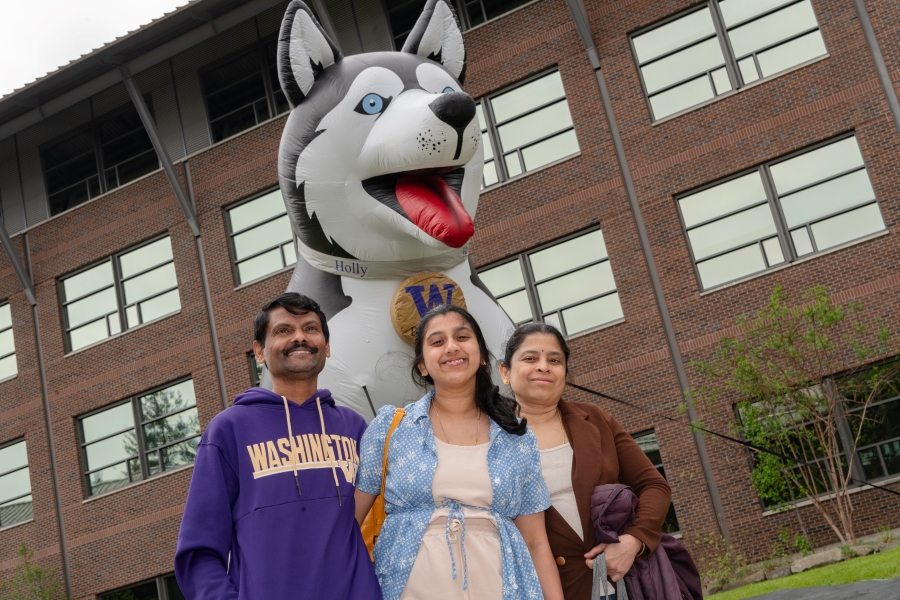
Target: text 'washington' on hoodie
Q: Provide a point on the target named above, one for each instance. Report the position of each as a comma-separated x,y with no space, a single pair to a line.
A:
270,511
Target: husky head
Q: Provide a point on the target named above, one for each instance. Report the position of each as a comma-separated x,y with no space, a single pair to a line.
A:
381,157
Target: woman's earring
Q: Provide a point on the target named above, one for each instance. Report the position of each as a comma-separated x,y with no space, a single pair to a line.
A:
506,382
483,362
424,373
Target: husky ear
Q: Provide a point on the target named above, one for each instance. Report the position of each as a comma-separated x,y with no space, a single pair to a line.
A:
436,36
304,51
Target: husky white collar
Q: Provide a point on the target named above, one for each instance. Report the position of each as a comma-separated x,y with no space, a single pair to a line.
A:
380,269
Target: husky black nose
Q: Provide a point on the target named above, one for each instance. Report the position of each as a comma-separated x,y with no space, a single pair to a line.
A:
456,109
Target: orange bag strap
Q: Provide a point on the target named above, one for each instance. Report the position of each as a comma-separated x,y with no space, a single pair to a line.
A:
399,413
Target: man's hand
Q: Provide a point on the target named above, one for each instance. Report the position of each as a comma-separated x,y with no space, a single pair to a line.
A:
619,557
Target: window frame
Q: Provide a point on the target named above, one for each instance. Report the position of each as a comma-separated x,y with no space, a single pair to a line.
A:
93,127
661,465
258,45
530,284
875,445
492,128
731,60
27,465
232,250
782,230
11,329
138,427
162,589
118,285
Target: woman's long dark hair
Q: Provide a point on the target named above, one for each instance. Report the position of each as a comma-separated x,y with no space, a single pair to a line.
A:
499,408
521,334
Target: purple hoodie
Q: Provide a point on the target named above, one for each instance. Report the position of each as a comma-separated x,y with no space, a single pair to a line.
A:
248,533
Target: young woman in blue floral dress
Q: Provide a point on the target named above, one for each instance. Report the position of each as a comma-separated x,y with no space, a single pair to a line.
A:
464,493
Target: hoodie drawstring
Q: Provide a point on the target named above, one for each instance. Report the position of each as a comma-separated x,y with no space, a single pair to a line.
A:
287,414
337,485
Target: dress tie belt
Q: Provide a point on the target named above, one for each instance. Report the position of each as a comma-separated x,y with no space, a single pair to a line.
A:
456,525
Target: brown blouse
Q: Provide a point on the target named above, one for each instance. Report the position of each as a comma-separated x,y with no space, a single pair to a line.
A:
604,453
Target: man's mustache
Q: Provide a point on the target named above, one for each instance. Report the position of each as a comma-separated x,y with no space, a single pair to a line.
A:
296,346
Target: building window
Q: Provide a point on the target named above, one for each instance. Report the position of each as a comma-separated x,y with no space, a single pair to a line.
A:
160,588
243,91
262,241
529,126
780,212
650,445
683,61
568,284
878,448
108,154
8,366
139,437
15,484
126,290
256,369
403,14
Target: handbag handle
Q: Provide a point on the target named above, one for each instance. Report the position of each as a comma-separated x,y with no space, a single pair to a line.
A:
599,590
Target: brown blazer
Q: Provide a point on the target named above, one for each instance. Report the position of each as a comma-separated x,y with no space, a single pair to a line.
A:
603,453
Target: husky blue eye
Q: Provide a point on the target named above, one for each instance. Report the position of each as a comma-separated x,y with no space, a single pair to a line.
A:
448,90
372,104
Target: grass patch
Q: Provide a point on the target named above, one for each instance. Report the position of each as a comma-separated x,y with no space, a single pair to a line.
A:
885,565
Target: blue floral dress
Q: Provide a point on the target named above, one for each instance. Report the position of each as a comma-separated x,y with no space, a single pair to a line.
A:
514,465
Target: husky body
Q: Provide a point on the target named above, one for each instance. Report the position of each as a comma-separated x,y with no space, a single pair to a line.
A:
380,166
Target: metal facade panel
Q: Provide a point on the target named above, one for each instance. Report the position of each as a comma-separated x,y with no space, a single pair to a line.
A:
341,12
187,80
269,21
157,81
30,141
110,99
373,25
10,190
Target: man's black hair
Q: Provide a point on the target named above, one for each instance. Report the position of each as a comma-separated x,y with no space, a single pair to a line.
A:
292,302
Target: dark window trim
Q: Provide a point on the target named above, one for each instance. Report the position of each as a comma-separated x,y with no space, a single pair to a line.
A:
731,59
118,283
259,44
138,427
232,251
530,283
493,127
783,232
661,465
93,126
27,465
161,589
5,302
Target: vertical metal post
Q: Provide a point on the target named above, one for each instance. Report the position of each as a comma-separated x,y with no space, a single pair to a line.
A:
48,424
579,15
327,24
883,76
187,207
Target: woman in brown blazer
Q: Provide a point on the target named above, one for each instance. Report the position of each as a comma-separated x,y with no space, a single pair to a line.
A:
582,446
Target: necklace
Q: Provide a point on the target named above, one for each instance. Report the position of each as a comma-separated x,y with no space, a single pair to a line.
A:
444,431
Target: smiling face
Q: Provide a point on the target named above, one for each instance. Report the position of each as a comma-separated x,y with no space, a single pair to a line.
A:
537,374
450,353
295,346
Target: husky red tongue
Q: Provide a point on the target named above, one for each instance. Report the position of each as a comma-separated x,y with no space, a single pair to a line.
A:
435,208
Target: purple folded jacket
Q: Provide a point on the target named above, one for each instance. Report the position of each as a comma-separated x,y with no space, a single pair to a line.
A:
667,575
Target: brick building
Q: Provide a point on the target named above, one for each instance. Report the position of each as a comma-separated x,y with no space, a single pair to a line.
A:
657,168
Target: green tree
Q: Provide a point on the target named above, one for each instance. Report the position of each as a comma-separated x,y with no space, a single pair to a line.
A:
31,581
802,378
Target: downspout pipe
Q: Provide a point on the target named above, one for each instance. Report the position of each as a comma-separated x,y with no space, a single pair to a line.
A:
883,76
28,285
579,15
187,207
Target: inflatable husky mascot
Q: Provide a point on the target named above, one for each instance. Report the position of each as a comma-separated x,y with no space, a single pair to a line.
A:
380,167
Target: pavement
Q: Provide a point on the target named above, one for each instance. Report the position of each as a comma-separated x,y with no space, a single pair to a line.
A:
861,590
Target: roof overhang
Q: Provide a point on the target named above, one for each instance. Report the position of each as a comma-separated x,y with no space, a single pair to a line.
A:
141,49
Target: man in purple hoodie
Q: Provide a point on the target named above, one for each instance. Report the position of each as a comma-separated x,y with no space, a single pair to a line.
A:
270,511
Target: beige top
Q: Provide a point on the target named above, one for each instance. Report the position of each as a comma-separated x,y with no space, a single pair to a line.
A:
462,474
556,466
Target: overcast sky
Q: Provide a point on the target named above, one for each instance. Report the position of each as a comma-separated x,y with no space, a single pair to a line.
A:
39,36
